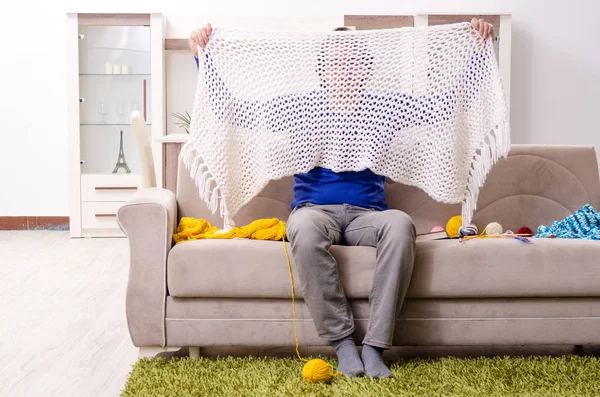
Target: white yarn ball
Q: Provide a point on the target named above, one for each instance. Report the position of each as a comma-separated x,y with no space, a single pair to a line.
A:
493,228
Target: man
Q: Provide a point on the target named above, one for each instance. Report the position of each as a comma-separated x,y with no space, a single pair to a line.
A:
349,208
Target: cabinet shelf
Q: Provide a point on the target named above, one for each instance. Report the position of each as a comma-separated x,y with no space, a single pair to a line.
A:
108,124
117,75
118,174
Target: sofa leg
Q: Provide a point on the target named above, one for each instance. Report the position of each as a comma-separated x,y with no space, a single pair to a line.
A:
578,350
152,351
194,352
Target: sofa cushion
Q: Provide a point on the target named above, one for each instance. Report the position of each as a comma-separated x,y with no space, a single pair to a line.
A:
483,268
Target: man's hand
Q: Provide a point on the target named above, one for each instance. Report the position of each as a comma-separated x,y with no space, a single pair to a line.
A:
199,37
484,28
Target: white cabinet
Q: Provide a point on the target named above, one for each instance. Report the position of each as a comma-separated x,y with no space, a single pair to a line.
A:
101,197
115,66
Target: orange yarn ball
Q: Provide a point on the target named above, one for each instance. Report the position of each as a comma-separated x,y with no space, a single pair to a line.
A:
453,225
316,370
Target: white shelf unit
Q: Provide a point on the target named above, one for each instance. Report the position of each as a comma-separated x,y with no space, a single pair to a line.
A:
96,115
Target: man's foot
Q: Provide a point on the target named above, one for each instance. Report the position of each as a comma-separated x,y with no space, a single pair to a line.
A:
349,363
373,362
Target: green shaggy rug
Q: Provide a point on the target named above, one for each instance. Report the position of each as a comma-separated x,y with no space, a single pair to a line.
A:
501,376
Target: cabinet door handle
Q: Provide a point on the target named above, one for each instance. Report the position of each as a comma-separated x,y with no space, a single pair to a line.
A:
105,215
116,187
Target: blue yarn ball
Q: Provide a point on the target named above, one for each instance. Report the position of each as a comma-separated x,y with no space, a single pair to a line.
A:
469,230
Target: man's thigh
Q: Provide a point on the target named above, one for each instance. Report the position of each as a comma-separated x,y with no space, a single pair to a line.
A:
313,221
370,227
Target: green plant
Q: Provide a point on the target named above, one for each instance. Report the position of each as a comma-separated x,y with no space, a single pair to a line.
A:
184,120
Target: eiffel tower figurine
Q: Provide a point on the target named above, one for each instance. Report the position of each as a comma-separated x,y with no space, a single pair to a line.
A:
121,163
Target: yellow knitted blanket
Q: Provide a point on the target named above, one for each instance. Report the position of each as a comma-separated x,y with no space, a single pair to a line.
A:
261,229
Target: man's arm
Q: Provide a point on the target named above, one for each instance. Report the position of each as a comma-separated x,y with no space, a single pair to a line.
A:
239,112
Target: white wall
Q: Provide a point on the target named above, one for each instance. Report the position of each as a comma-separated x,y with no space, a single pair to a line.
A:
555,76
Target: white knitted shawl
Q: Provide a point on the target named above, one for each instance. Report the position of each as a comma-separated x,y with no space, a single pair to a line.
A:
422,106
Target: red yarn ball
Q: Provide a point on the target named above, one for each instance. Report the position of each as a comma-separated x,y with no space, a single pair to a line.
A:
525,230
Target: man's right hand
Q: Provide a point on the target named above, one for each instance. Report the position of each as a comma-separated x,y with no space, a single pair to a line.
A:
199,37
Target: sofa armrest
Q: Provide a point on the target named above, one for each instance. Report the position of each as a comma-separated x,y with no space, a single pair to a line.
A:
149,220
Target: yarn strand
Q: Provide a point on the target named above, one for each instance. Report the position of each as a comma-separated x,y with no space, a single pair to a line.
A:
289,264
314,370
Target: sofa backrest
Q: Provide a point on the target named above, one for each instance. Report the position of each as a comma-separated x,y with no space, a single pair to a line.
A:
534,186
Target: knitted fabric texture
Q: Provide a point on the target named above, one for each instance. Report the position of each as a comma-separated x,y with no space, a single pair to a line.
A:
422,106
197,229
583,224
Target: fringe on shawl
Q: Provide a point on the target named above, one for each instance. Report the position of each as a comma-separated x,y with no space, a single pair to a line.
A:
208,190
495,146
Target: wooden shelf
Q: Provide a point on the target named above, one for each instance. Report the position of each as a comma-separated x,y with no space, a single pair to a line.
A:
448,19
366,22
177,45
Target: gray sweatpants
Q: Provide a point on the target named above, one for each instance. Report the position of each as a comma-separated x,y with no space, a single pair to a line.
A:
312,229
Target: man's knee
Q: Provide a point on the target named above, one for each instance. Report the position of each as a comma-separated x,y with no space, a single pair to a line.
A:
398,225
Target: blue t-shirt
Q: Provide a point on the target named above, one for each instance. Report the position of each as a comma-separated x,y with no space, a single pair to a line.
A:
322,186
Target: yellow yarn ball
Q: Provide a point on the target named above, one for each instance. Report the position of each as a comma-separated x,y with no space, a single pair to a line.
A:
316,370
453,225
493,228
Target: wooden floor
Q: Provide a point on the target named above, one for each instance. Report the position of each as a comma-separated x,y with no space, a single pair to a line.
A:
63,330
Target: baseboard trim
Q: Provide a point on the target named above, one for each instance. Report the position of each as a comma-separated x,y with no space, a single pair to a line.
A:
34,223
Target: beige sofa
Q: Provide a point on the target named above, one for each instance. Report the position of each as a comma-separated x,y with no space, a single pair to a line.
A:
482,292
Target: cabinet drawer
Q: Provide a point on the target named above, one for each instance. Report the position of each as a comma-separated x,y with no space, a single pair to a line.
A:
99,215
108,187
